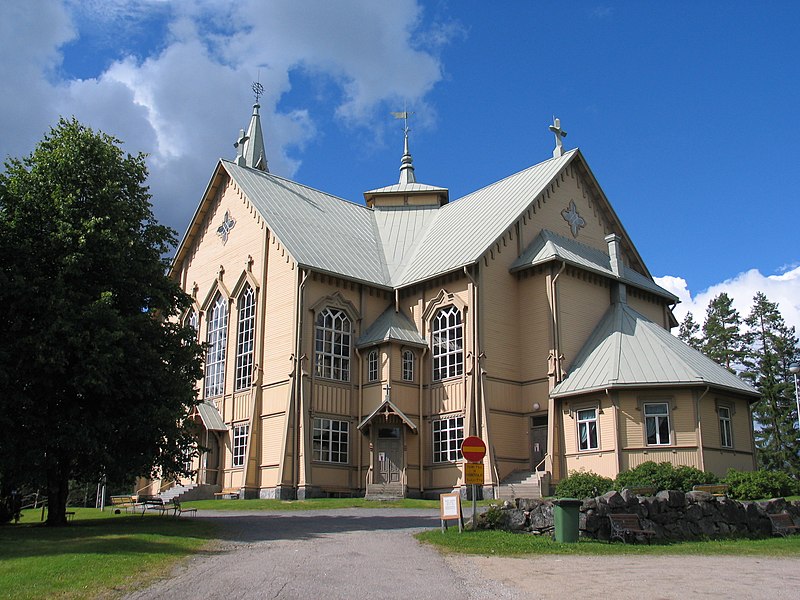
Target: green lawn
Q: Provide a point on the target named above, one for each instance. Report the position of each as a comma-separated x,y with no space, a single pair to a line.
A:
502,543
96,554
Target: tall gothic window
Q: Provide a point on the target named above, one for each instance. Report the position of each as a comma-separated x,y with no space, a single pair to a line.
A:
215,354
244,338
408,365
448,344
372,366
332,347
194,322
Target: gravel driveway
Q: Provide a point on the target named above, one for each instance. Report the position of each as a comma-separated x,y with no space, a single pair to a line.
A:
363,553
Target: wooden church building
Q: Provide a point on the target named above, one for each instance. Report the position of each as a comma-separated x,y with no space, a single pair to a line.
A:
352,346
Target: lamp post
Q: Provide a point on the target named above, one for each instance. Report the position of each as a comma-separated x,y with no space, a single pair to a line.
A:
794,369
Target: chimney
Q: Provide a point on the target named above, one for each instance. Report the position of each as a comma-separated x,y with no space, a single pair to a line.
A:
618,289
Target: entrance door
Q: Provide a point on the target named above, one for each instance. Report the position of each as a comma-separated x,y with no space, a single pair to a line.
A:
538,442
210,461
389,455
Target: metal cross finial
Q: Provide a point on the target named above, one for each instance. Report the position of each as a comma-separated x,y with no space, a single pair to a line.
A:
559,133
240,146
258,90
386,389
403,115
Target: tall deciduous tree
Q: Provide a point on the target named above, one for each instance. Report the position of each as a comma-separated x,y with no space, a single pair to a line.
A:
772,348
96,373
722,338
689,332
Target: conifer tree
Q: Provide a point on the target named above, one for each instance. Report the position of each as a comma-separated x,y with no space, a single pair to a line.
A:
722,338
771,348
689,332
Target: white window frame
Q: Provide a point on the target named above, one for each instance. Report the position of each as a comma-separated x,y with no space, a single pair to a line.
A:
245,338
331,441
372,366
585,422
193,321
447,333
408,365
216,338
447,437
725,426
657,419
239,444
332,344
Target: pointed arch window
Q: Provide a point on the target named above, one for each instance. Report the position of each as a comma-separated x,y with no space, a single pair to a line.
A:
408,365
244,338
448,343
215,354
193,322
372,366
332,344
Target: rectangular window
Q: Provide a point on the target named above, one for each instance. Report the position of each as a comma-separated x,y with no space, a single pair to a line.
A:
725,430
408,365
448,434
330,440
372,366
240,443
656,418
587,429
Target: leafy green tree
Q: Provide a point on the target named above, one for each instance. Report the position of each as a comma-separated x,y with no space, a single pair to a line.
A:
723,341
772,347
97,375
689,332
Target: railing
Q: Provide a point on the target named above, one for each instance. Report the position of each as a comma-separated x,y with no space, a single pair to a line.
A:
544,462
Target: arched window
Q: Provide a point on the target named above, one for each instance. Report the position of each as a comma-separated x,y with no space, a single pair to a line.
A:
448,343
215,354
372,366
332,347
193,321
408,365
244,338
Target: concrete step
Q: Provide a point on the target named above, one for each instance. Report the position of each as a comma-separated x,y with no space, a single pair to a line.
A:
385,491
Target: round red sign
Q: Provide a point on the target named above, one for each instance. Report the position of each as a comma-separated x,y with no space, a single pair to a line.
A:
473,449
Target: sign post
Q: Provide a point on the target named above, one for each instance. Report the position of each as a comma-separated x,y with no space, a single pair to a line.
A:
473,450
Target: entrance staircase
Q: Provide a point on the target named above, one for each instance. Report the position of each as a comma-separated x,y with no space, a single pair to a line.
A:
192,491
524,484
385,491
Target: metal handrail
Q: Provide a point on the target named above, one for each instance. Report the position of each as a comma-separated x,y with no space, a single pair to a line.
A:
543,462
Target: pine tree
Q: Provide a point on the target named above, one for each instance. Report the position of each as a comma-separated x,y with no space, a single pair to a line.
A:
689,332
771,348
722,338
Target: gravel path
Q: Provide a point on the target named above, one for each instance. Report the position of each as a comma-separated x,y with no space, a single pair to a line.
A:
361,553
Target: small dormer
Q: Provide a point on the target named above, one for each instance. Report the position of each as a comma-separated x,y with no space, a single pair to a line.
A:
407,192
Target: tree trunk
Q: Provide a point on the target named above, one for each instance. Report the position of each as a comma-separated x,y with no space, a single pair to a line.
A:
57,491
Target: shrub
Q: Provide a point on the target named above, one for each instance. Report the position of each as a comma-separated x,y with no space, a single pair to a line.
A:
664,476
757,485
583,484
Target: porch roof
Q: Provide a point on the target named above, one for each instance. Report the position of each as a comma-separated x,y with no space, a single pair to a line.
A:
387,409
211,418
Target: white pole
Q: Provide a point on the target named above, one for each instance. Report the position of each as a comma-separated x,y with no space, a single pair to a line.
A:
794,369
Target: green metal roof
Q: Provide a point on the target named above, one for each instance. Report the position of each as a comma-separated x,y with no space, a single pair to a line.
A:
391,326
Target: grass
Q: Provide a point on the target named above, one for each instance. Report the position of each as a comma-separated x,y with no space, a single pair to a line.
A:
502,543
318,504
97,554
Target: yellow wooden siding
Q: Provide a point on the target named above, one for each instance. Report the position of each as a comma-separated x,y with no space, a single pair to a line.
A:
269,477
448,476
719,461
275,399
509,436
447,396
681,414
645,304
740,422
605,425
281,292
505,396
534,327
331,398
499,304
334,478
242,403
273,429
602,463
582,302
677,456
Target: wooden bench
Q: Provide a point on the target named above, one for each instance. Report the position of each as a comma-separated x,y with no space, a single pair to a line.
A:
716,489
783,525
156,503
227,493
126,502
627,527
179,510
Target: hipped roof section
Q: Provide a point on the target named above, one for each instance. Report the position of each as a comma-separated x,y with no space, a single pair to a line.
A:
394,248
627,350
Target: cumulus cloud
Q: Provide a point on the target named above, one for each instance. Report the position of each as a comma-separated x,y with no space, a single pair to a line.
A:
182,98
784,289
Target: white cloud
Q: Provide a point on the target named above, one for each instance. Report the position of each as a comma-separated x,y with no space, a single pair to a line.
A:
784,289
183,98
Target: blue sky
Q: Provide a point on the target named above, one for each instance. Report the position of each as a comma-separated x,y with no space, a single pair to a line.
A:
685,111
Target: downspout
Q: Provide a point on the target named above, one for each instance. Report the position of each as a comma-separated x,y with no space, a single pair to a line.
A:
360,412
298,375
475,425
421,422
556,328
700,429
617,449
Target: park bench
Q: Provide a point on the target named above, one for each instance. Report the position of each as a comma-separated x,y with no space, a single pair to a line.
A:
627,527
716,489
179,510
783,525
227,494
155,503
126,502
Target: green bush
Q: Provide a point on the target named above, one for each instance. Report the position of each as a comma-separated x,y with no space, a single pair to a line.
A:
757,485
583,484
664,476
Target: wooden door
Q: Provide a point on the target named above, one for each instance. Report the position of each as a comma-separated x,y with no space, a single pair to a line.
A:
389,455
538,446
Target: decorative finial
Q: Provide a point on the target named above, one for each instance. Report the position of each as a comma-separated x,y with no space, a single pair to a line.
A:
559,133
258,90
239,145
407,163
387,388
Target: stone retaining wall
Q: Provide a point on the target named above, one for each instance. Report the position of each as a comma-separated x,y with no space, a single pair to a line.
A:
671,514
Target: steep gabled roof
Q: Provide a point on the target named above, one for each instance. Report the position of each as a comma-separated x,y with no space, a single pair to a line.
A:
548,246
626,349
391,326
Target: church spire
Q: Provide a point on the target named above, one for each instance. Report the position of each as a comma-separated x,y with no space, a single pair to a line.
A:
559,133
406,163
251,152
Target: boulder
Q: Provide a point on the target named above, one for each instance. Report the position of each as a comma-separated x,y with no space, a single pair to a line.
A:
698,496
613,500
673,498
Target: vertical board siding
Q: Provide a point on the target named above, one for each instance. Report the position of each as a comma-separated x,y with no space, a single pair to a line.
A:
581,305
602,463
241,405
677,456
507,396
447,397
509,435
534,328
330,398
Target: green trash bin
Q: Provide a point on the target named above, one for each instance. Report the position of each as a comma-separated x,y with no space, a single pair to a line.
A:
566,517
